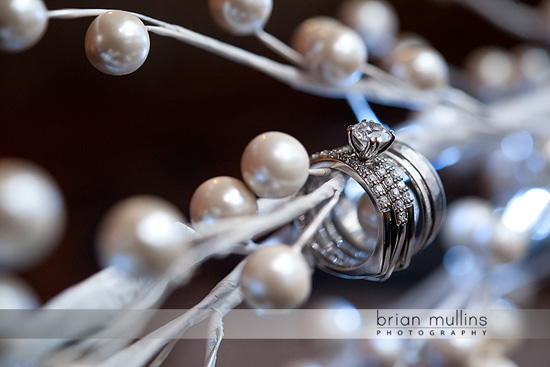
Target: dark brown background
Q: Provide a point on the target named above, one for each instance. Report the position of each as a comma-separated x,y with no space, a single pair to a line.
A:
182,118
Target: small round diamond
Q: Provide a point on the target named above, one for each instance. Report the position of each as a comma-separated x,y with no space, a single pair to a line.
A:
381,171
402,217
379,189
399,204
384,201
371,178
395,192
388,181
401,185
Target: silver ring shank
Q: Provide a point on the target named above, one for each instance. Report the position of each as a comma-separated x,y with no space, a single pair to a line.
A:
409,201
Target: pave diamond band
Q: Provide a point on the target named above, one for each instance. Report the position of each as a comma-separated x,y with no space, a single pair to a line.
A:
392,206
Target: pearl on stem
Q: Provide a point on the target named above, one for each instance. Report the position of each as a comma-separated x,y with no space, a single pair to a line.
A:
219,198
276,277
332,51
374,20
16,294
420,65
533,65
275,165
469,223
492,71
334,322
141,235
117,43
22,24
240,17
32,213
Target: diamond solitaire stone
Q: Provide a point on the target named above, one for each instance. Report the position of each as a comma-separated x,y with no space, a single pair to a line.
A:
368,139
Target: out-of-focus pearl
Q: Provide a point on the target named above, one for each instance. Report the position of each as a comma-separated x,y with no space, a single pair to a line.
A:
117,43
420,65
276,277
505,327
506,244
374,20
333,322
32,213
492,70
219,198
469,223
383,352
491,66
491,360
22,24
533,64
275,165
15,294
456,351
241,17
332,51
140,235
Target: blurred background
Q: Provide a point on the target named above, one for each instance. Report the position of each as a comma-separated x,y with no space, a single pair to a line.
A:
185,116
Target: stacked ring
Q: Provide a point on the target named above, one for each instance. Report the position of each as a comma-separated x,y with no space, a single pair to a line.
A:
391,208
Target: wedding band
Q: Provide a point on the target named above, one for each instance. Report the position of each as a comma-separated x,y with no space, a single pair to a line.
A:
391,208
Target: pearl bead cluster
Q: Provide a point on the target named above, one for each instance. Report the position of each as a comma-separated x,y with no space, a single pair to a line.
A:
140,235
495,72
273,165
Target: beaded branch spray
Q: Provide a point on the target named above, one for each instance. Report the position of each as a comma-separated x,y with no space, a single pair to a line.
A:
397,186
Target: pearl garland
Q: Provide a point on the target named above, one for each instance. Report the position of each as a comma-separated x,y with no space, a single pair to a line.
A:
504,244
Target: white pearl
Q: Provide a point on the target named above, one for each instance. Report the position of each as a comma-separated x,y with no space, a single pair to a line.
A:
16,294
492,70
374,20
275,165
469,223
333,52
506,244
383,352
456,351
241,17
141,235
32,214
333,321
505,328
22,24
276,277
420,65
533,64
219,198
117,43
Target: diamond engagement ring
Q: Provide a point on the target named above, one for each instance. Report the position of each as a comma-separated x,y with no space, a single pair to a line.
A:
391,207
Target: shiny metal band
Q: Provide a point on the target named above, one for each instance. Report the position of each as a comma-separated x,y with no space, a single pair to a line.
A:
391,208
